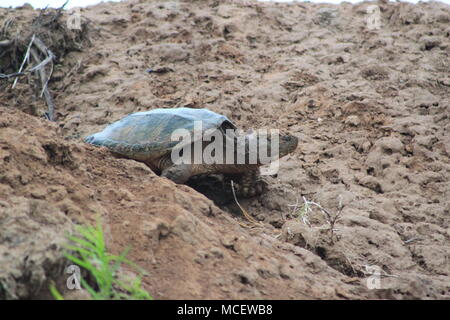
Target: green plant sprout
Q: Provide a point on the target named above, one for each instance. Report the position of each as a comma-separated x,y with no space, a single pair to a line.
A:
88,251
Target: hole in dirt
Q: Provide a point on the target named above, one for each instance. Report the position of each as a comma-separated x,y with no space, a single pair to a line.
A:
321,252
344,268
217,188
59,154
214,187
243,279
338,262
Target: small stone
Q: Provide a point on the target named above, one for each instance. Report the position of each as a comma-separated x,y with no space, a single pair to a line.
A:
228,241
217,252
353,121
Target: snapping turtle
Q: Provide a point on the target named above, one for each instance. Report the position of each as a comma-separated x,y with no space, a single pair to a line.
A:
147,137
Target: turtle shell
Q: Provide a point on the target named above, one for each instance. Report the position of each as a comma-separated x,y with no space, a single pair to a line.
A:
146,135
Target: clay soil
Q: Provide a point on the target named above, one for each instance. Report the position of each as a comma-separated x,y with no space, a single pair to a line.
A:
370,109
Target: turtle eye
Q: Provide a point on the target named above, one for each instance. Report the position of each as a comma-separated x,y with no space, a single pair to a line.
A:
287,138
227,125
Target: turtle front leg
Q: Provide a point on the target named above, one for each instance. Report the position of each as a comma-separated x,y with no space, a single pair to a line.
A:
178,173
249,184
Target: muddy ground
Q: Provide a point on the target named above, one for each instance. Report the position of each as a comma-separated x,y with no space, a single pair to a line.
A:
370,107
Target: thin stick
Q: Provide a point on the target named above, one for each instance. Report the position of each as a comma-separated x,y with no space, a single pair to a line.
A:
19,74
332,219
411,240
244,212
43,77
5,43
6,24
27,53
43,48
62,7
48,79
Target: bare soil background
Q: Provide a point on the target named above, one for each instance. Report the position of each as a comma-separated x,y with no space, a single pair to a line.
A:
371,110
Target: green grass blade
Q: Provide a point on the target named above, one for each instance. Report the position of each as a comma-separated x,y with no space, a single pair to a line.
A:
55,293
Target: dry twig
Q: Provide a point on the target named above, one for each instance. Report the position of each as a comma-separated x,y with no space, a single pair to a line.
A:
44,80
332,219
39,69
244,212
25,59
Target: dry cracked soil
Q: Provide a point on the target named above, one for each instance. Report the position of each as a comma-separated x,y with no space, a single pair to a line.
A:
370,109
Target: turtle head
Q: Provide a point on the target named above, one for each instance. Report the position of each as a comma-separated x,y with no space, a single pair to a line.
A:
288,143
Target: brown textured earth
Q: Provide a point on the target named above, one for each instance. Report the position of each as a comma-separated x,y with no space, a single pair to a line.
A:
371,110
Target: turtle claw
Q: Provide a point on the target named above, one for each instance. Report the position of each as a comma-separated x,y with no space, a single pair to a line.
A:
248,190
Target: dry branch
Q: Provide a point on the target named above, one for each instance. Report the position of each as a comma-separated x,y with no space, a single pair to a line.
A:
25,59
331,218
39,69
5,43
26,53
44,80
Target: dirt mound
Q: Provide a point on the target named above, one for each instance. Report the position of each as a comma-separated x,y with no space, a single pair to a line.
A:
371,110
190,248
